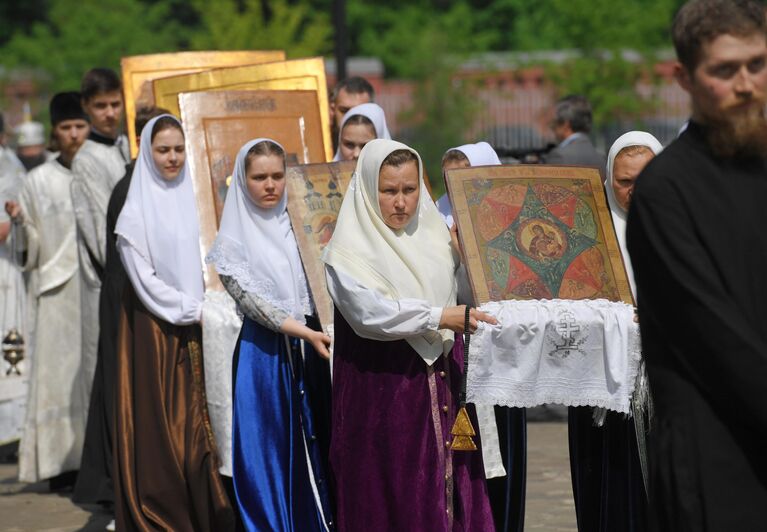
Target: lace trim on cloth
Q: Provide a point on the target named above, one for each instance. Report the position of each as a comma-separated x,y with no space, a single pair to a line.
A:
229,259
574,353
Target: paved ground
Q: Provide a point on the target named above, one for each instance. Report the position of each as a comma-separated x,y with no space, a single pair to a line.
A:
549,491
30,507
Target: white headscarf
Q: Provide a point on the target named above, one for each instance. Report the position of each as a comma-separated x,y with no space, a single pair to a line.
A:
257,247
479,154
372,112
414,262
159,220
632,138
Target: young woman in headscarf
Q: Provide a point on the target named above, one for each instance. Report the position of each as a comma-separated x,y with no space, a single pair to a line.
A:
397,362
276,456
165,464
479,154
506,487
360,125
605,466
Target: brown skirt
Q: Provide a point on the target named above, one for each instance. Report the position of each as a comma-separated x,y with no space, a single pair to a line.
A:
165,463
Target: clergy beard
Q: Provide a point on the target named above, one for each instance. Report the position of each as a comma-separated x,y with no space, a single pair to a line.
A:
33,161
738,132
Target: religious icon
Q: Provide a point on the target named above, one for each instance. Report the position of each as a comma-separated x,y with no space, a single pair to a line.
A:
219,123
139,71
315,192
537,232
299,74
541,244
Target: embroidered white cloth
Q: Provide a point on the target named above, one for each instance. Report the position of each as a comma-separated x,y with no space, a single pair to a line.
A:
575,353
220,327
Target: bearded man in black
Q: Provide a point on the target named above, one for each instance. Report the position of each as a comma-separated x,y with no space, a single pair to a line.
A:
697,236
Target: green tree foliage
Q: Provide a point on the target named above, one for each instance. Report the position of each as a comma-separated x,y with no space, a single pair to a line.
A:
246,25
19,15
600,33
401,33
76,35
81,34
595,31
584,24
64,38
387,29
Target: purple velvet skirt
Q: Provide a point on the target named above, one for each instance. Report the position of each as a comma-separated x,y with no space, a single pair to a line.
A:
391,464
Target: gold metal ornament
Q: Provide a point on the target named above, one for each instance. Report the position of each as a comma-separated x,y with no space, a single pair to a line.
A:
463,432
13,350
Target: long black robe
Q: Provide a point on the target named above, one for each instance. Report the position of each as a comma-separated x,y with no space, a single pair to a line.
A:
697,236
608,485
507,493
94,482
608,488
318,387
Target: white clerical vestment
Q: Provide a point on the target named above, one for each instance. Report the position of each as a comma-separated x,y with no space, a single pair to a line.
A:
57,405
96,170
13,388
11,178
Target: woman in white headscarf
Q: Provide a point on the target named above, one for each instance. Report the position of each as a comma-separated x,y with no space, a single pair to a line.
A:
608,487
256,256
627,158
397,362
360,125
165,464
506,486
479,154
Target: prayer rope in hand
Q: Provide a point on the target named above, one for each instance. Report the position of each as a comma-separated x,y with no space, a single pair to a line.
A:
466,342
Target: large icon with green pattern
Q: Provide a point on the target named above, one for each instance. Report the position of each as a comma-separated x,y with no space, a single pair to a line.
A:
537,232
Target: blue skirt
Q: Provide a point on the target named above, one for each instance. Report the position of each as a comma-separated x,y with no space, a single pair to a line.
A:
272,434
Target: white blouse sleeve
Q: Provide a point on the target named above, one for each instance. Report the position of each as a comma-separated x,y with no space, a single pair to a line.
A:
375,317
160,299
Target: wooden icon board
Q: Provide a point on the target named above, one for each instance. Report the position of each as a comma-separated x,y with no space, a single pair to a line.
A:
139,71
315,192
300,74
537,232
218,124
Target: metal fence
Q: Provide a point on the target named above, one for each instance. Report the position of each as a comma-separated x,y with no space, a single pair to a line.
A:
516,120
